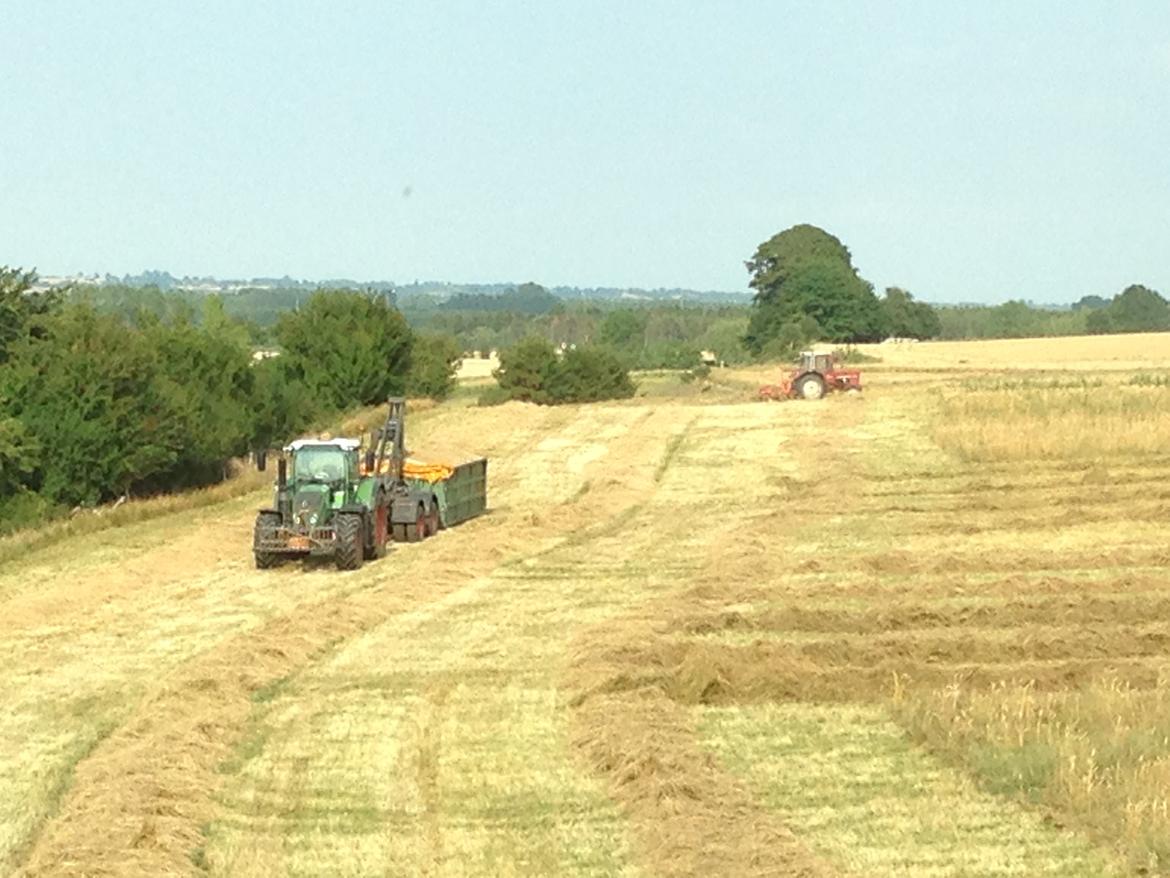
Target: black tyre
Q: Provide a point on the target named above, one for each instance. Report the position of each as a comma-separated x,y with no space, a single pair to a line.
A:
349,551
266,522
434,520
810,387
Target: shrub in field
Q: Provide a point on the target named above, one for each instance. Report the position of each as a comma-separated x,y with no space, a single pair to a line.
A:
526,368
532,372
589,375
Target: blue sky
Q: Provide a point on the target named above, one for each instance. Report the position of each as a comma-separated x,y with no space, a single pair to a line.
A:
968,152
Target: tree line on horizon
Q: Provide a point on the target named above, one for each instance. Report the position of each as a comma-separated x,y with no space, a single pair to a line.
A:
805,289
96,405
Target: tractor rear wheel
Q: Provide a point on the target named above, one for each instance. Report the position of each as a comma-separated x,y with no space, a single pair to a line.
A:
347,554
266,522
810,387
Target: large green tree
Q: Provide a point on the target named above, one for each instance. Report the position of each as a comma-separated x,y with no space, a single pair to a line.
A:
347,348
1134,309
804,273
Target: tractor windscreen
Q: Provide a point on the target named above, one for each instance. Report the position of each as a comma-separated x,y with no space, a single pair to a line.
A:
319,465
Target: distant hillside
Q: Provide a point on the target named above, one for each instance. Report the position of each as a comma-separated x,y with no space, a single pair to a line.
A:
166,282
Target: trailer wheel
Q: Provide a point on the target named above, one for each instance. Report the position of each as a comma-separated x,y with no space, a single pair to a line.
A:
417,532
266,522
380,530
434,521
348,552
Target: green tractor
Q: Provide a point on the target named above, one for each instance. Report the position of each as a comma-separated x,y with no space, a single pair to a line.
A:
334,501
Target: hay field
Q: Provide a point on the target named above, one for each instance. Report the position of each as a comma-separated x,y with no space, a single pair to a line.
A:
924,632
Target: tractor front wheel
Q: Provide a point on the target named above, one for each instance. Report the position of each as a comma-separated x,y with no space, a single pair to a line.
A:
434,522
266,522
348,533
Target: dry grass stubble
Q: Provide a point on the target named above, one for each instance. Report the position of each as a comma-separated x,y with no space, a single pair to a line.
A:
137,801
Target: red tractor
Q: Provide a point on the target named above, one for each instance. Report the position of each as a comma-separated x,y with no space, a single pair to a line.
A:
816,375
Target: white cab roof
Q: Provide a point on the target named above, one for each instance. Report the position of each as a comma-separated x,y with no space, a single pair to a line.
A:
343,444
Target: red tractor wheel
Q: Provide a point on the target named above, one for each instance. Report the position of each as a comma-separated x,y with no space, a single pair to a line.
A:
381,528
417,532
434,522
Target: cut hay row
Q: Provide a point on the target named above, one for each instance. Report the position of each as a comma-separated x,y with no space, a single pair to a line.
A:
1063,603
847,779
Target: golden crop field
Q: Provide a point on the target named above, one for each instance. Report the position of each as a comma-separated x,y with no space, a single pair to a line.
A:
920,632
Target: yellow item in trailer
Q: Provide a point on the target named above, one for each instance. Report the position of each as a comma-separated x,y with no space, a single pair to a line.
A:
427,472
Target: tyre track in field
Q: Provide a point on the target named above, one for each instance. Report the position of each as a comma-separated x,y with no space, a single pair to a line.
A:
139,799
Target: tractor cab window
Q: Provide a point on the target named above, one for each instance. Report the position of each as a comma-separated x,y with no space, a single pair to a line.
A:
325,465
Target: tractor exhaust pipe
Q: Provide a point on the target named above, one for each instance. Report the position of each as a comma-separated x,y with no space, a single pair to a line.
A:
283,500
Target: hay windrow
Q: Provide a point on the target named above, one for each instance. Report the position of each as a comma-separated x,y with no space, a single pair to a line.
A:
687,815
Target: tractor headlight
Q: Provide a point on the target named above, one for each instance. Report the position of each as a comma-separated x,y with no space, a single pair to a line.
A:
313,519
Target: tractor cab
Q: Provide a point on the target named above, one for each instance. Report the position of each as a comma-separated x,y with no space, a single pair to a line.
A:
324,461
810,362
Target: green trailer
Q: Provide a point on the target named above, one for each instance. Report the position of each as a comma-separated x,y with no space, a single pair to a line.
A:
453,498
